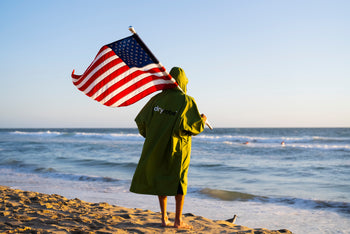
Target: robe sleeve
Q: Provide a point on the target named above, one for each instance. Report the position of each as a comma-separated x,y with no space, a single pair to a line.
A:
143,117
192,122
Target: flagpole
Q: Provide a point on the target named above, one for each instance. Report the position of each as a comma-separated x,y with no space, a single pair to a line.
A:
138,39
133,31
209,125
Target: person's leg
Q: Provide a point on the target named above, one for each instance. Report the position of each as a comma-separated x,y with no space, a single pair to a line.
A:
179,199
163,204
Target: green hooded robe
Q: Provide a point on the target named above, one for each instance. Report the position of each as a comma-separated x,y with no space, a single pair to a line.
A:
167,122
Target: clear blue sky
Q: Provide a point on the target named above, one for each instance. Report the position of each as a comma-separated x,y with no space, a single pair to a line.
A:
250,63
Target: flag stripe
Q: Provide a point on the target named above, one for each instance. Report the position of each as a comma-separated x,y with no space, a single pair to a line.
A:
124,80
103,75
134,95
108,81
104,50
98,65
144,93
132,87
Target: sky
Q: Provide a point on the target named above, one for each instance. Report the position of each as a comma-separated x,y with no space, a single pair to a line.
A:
266,63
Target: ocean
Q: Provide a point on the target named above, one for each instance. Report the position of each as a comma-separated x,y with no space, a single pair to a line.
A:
274,178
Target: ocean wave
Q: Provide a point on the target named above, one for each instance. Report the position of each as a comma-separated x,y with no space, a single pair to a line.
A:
38,133
89,163
343,207
112,136
44,170
277,139
23,166
323,138
91,178
225,195
287,144
104,163
208,165
229,195
77,177
241,139
80,134
218,166
53,173
322,147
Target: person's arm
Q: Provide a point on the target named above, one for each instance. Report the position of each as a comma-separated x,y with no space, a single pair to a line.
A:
142,118
193,121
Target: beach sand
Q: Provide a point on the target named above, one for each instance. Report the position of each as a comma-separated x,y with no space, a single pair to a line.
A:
32,212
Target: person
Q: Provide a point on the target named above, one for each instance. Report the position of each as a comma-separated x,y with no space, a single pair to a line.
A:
167,122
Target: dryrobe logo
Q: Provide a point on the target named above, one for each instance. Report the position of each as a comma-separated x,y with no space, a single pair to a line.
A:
163,111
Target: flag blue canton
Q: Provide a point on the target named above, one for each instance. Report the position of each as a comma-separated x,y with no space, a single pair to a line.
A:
131,52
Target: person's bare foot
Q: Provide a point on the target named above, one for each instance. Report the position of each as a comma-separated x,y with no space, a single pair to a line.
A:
182,225
165,222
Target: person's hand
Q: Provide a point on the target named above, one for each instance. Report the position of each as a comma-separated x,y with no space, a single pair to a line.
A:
204,117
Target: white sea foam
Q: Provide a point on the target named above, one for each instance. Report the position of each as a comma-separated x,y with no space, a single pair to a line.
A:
256,139
41,133
286,145
322,147
86,134
126,136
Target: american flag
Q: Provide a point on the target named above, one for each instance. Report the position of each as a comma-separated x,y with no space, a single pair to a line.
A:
122,73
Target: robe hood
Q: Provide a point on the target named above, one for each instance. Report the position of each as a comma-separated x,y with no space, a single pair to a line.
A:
179,75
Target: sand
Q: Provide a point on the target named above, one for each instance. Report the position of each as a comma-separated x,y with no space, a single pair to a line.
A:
32,212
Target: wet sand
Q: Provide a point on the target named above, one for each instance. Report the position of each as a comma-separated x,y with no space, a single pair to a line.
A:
32,212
